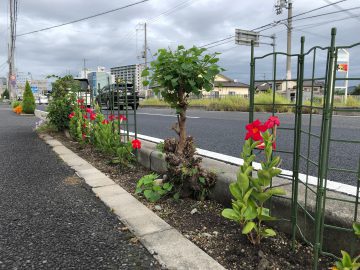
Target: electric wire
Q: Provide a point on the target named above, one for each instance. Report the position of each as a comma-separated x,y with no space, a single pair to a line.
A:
85,18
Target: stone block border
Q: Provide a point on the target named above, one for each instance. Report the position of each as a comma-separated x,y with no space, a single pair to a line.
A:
168,246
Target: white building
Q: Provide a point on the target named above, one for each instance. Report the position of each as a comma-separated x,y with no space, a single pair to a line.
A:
130,73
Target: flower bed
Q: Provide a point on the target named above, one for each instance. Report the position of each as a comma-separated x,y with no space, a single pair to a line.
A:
202,223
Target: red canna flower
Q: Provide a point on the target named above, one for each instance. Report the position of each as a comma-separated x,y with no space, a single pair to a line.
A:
84,136
82,107
85,116
111,117
84,125
254,130
105,122
93,116
122,118
71,115
136,144
272,121
89,110
80,101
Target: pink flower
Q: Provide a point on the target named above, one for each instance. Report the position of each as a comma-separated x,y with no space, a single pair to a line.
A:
80,101
111,117
105,122
89,110
136,144
272,121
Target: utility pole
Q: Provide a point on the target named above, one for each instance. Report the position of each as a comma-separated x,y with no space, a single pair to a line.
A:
279,7
145,44
84,68
11,51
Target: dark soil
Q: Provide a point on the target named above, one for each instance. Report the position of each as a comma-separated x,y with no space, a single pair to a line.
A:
219,237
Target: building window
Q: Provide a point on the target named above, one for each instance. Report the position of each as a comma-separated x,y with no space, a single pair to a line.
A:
232,93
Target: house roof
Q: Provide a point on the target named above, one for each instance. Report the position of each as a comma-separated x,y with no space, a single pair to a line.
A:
231,84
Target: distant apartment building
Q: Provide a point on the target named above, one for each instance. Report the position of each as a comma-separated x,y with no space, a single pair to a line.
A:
130,73
97,78
39,87
21,78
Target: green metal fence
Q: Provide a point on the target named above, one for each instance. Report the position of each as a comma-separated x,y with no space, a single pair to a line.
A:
117,103
307,137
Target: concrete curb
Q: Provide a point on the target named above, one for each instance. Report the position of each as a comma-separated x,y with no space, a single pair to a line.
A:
169,246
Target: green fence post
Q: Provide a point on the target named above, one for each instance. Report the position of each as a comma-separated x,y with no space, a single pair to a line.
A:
324,148
99,94
252,84
297,142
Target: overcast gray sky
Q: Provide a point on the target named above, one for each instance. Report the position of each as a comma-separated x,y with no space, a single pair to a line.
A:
112,39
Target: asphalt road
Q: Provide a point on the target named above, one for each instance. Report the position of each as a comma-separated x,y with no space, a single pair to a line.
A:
224,132
49,219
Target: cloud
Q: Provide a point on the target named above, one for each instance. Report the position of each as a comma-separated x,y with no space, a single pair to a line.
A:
113,40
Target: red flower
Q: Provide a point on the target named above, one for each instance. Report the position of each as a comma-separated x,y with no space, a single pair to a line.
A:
111,117
80,101
93,116
71,115
262,146
254,130
136,144
82,107
84,136
105,122
84,125
89,110
122,118
85,116
272,121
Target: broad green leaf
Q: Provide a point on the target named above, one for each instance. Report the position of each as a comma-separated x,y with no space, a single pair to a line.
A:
275,162
274,172
356,227
145,83
264,178
242,182
202,180
261,196
230,214
247,195
138,190
151,195
176,196
145,73
275,191
250,213
248,227
346,259
235,191
269,232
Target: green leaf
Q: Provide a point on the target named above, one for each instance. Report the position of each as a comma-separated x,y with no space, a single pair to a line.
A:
138,190
356,227
248,227
269,233
167,186
235,191
250,212
202,180
230,214
247,195
145,83
145,73
274,172
346,259
275,191
151,195
176,196
264,177
243,182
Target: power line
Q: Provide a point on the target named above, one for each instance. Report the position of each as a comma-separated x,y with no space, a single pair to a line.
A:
214,42
85,18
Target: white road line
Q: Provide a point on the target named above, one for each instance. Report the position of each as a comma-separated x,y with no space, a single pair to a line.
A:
169,115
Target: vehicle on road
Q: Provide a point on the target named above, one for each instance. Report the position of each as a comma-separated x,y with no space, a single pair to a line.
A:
116,95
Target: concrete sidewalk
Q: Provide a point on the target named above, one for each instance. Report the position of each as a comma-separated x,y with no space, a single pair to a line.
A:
49,218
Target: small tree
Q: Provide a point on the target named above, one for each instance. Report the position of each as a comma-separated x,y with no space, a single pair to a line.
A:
5,94
62,86
176,75
28,103
356,90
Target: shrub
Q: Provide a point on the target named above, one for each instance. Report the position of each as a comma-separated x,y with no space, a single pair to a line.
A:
18,109
152,190
28,103
250,192
5,94
266,98
59,110
15,103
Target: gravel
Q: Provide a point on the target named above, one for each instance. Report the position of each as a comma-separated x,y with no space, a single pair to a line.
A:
49,218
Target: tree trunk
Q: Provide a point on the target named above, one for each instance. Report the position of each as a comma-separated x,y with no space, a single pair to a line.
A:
182,132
